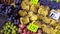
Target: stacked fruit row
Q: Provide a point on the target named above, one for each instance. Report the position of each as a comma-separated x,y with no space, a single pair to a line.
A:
23,29
39,15
52,5
9,28
21,15
10,10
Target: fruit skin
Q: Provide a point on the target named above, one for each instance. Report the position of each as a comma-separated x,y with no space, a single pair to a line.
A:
22,26
25,30
18,2
43,10
57,32
39,31
16,22
34,33
24,20
46,20
24,33
9,28
52,5
7,9
28,32
22,13
25,5
20,30
33,18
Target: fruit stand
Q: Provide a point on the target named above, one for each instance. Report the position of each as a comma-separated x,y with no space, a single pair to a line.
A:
29,17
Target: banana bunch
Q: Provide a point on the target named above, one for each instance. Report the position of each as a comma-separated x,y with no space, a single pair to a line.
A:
48,30
43,10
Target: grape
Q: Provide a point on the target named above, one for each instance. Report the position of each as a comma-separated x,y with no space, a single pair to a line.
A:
17,7
9,19
15,16
5,10
8,6
20,30
9,28
1,31
25,30
34,33
22,26
24,33
12,16
17,1
8,9
28,32
52,5
16,21
1,5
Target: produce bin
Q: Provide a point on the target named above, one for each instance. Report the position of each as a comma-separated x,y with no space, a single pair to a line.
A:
29,16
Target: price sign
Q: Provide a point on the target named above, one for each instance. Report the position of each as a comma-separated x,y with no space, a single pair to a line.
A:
32,27
54,14
34,1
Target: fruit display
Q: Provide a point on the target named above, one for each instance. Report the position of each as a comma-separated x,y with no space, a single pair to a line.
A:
24,30
52,5
9,28
41,18
29,17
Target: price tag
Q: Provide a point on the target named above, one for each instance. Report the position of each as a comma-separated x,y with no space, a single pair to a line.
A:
34,1
54,14
32,27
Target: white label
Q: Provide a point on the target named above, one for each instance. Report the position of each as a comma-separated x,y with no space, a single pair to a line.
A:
54,14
